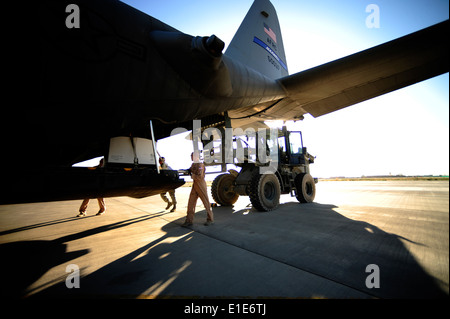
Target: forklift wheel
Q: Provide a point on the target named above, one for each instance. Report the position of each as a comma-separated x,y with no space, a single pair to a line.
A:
222,190
306,188
265,192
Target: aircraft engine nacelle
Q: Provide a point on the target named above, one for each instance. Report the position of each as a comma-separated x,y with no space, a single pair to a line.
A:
211,48
198,61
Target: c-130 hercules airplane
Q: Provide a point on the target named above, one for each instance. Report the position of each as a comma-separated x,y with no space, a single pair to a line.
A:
112,78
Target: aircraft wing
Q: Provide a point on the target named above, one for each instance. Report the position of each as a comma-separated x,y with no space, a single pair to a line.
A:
359,77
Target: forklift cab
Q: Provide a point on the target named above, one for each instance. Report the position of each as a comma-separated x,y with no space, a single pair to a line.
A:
291,147
295,148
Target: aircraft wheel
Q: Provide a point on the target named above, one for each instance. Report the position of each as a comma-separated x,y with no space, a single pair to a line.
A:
306,188
265,192
222,190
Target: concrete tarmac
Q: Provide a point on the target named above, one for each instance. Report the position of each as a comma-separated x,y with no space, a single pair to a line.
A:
318,250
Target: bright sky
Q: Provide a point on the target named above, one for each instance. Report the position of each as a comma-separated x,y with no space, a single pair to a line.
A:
404,132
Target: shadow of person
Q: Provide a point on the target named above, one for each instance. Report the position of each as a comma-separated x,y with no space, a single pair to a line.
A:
305,250
38,225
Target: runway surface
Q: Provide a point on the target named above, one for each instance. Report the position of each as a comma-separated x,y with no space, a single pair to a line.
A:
318,250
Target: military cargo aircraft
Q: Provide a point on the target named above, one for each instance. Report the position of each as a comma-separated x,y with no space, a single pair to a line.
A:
109,73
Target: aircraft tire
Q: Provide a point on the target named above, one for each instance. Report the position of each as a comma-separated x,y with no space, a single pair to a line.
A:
221,190
265,192
306,188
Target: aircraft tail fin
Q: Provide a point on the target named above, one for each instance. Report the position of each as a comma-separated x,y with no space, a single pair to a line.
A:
258,42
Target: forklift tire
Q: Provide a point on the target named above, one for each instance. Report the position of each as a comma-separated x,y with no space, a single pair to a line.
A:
265,192
222,190
306,188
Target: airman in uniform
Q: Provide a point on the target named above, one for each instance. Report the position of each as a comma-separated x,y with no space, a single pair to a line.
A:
199,190
101,201
163,165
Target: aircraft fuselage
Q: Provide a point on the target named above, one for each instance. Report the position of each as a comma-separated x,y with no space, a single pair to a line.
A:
113,80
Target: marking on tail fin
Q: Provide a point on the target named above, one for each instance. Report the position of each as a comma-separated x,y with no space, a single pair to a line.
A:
270,32
268,49
260,29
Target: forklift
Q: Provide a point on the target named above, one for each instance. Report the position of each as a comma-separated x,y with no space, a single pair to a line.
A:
271,164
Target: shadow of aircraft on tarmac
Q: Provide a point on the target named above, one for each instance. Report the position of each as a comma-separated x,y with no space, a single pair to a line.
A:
295,251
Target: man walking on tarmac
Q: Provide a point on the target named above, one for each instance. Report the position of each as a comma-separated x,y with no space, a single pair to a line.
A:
163,165
199,189
101,200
